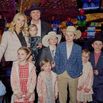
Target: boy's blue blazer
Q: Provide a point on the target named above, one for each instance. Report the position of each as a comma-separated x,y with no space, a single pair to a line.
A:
73,65
98,80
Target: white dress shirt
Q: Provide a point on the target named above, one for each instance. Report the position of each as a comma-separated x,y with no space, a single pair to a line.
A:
52,50
69,49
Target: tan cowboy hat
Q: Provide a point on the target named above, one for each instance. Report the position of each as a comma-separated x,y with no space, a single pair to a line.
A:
48,36
74,30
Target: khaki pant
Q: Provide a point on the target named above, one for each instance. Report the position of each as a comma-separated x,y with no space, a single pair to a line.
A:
64,81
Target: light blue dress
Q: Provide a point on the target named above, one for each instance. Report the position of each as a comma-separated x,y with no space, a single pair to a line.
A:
2,91
49,87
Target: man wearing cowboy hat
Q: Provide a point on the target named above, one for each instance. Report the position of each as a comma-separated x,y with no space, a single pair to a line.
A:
43,28
68,65
35,13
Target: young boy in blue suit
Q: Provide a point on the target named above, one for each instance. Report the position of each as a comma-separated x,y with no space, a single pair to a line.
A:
68,65
96,59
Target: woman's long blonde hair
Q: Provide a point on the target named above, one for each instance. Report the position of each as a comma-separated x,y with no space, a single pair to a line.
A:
13,23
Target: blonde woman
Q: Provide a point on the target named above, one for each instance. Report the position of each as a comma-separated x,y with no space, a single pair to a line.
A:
12,39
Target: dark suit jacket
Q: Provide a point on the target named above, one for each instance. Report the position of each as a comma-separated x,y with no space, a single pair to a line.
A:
44,27
46,54
98,79
99,67
73,65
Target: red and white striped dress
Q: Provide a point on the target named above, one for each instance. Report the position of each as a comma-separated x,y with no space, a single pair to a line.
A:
23,76
23,81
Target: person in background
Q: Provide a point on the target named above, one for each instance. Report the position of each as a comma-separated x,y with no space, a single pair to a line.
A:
96,59
23,78
55,25
2,22
2,25
50,41
12,39
47,83
85,82
102,29
63,27
68,65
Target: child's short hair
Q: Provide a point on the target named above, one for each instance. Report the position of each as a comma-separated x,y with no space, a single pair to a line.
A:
44,61
86,51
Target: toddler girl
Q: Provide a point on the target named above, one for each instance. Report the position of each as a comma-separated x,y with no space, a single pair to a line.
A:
84,92
47,83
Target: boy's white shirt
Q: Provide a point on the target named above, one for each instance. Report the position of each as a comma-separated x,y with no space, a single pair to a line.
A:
69,49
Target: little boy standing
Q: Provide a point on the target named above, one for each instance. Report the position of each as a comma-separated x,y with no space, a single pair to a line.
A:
96,59
68,65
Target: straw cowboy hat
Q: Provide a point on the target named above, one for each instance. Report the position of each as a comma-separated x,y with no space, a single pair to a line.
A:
73,30
48,36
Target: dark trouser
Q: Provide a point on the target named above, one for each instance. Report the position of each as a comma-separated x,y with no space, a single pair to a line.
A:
98,95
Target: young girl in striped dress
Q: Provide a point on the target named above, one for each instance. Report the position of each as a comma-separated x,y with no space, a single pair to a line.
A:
23,78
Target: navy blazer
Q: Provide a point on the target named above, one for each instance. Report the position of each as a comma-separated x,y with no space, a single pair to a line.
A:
98,80
46,54
73,65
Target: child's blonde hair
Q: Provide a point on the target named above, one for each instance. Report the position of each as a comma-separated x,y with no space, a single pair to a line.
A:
33,25
44,61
